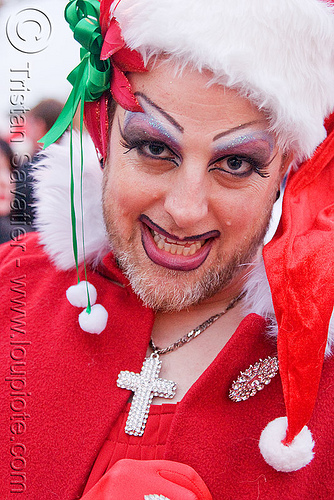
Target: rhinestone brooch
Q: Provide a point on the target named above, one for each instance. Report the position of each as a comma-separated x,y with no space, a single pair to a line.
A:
254,379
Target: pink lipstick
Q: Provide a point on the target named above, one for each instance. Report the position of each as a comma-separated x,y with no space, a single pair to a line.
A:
172,252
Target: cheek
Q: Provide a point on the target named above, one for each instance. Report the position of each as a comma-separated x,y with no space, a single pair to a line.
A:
128,192
244,211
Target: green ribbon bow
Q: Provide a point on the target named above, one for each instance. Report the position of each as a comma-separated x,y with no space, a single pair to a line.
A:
92,76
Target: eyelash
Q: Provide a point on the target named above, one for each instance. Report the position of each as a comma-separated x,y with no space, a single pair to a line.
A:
255,166
139,144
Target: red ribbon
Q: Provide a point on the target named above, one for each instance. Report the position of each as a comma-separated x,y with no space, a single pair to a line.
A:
122,60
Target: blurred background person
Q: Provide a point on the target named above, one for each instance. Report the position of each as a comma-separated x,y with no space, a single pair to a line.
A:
6,196
39,120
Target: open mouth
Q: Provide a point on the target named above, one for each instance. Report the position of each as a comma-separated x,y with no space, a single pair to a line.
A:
176,247
172,252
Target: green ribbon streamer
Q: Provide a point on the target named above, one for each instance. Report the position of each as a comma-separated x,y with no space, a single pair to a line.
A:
89,80
73,216
92,76
89,308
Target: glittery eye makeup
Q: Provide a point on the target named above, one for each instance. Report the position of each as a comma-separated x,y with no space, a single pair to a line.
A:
150,133
244,154
260,141
155,136
149,142
145,127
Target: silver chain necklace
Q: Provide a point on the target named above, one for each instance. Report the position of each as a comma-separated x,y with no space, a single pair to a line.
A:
146,385
196,331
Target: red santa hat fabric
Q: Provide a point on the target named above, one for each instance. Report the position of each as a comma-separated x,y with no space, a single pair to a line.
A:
299,265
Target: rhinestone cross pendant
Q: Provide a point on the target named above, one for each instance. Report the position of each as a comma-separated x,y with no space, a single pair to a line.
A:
145,386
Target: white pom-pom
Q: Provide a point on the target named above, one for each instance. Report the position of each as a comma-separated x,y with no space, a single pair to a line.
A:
96,321
77,294
281,457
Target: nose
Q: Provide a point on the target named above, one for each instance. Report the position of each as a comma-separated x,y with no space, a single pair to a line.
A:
186,200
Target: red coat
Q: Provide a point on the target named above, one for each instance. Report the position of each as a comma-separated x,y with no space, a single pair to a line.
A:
60,399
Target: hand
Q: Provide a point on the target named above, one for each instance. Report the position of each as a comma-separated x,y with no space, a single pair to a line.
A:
134,479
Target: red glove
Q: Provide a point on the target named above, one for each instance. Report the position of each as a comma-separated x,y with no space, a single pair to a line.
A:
134,479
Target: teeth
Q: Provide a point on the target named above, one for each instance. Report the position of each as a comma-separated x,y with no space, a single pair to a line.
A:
174,247
179,250
169,240
192,249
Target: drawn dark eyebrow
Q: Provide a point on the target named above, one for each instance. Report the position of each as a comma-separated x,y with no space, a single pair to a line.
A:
161,111
234,129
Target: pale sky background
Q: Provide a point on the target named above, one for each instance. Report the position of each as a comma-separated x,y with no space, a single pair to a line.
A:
35,25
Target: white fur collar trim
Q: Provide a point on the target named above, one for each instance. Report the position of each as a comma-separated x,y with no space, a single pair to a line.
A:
54,221
53,208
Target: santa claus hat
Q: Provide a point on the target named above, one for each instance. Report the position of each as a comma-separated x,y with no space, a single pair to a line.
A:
280,55
299,263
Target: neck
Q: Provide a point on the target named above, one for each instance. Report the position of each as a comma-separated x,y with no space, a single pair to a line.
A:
169,327
185,364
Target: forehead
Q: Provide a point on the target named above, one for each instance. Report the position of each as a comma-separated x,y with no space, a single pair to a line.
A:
191,99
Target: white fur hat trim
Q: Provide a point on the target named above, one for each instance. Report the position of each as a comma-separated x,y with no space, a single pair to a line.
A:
77,294
281,457
95,321
279,54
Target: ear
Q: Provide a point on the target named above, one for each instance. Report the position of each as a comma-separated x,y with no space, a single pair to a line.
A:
288,160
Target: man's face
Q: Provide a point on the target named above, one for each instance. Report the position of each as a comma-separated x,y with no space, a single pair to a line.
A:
188,188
